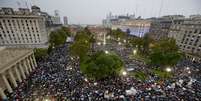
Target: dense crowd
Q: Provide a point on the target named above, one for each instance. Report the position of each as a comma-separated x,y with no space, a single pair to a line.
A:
58,78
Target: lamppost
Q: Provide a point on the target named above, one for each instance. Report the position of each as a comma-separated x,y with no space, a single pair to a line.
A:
168,69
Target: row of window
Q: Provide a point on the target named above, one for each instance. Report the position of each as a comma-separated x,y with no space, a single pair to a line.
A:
191,48
195,31
22,26
7,42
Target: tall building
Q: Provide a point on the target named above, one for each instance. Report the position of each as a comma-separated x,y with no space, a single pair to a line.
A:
128,23
15,65
136,27
187,34
115,19
56,18
22,28
65,20
189,38
160,27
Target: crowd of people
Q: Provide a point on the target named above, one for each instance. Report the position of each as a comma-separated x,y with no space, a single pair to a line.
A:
58,78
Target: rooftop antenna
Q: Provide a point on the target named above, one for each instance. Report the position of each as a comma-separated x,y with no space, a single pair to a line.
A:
27,5
160,8
18,4
136,8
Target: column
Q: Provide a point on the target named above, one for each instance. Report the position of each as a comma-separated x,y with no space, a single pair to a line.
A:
12,78
2,94
18,74
28,64
25,67
10,90
33,57
22,71
32,64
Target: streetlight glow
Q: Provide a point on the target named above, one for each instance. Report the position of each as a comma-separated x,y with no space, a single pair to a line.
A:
95,83
99,43
106,52
124,73
86,80
189,72
187,68
168,69
119,43
134,51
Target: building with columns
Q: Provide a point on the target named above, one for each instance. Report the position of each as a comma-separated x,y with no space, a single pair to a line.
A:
22,28
15,66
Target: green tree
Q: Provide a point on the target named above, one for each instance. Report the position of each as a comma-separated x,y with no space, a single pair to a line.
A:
165,53
59,37
83,44
80,48
142,44
101,65
117,34
40,53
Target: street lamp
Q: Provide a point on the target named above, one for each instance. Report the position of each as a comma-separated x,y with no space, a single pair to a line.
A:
47,100
187,68
124,73
99,43
124,41
95,83
106,52
86,80
168,69
134,51
189,72
108,37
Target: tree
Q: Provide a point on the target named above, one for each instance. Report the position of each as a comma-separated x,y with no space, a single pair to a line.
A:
40,53
80,48
117,33
142,44
165,53
59,37
101,65
84,43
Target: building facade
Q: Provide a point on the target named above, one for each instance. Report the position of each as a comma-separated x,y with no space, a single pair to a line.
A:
65,20
55,20
136,27
15,66
189,37
22,29
128,23
160,27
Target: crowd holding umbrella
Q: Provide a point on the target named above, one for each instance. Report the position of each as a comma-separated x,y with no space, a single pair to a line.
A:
58,78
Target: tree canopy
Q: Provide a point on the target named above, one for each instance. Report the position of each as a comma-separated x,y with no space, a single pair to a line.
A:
59,37
101,65
165,53
83,43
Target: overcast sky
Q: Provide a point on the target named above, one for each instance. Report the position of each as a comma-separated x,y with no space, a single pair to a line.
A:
93,11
